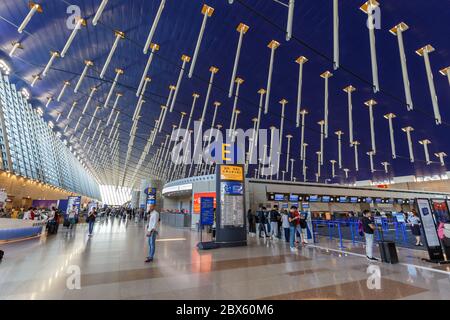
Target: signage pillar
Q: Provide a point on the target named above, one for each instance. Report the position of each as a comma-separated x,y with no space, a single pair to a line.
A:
430,231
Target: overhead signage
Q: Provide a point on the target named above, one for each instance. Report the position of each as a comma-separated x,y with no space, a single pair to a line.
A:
234,173
197,200
207,211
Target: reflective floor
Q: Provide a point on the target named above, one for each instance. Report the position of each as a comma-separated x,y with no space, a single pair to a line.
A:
111,266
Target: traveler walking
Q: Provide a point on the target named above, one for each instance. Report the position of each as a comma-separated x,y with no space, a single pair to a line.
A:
274,216
368,229
415,222
293,219
261,222
92,215
152,232
285,225
303,227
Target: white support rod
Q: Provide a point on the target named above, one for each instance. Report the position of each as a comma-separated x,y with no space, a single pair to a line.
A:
373,51
290,19
71,110
318,164
372,130
111,90
49,64
82,134
321,142
93,117
144,75
333,169
83,75
410,146
392,138
434,98
233,112
111,53
88,101
302,137
427,154
269,79
304,161
236,63
406,84
288,154
258,122
325,111
62,91
197,46
27,19
336,34
177,88
350,116
78,124
339,151
292,169
115,121
355,147
113,109
154,26
99,12
299,93
372,169
72,37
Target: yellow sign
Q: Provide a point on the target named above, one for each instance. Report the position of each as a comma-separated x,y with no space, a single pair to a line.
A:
225,151
234,173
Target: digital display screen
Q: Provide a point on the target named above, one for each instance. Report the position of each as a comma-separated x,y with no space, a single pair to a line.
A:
325,198
399,217
378,200
305,205
293,197
368,200
354,200
279,197
284,205
342,199
314,198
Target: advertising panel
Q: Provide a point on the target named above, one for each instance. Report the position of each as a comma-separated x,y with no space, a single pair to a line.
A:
429,228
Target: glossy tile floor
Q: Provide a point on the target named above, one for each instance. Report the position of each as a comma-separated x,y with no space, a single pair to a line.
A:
112,266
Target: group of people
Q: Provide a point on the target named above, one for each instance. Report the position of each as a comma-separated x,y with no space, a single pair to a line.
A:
274,223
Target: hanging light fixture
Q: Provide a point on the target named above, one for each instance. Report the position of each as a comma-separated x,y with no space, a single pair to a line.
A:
172,90
34,7
346,172
53,56
339,134
78,124
242,29
288,153
154,48
425,143
390,117
370,104
441,156
273,45
408,131
118,96
119,72
355,145
49,100
154,26
87,65
239,82
370,154
368,8
71,109
185,60
319,159
333,168
305,145
385,166
303,114
66,84
424,52
326,75
446,73
99,12
97,108
88,101
119,35
398,31
335,34
207,12
80,22
349,91
321,123
301,61
15,46
36,78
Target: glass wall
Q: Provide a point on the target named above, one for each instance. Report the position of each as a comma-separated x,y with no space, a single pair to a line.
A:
30,148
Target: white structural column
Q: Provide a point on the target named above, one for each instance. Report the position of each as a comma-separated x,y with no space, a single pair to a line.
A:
97,108
261,93
99,12
390,117
288,153
34,7
446,73
322,133
185,60
319,165
283,103
349,91
116,102
424,52
355,145
398,31
333,168
305,145
273,45
370,154
154,48
370,104
238,81
80,22
303,114
290,19
292,169
63,89
87,65
119,72
369,8
89,99
119,36
441,156
207,12
154,26
171,91
385,166
15,45
425,143
71,109
53,56
346,172
242,29
326,75
301,61
336,34
408,131
339,133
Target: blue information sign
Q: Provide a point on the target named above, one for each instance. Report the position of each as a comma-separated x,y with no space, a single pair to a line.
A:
207,211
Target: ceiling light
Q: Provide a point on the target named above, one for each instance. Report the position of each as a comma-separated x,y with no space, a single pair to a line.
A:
4,67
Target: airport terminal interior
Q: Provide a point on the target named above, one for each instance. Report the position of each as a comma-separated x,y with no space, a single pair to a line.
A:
224,150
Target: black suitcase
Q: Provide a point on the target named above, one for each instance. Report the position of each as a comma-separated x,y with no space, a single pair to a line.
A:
1,255
388,252
66,223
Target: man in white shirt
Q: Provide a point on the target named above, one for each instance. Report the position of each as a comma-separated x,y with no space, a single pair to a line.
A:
152,231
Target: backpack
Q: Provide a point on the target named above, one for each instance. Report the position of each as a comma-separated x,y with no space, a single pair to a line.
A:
360,228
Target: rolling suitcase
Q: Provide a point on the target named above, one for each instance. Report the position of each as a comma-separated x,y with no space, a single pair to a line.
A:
388,252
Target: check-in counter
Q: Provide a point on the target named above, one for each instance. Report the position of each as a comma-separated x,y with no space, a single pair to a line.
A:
177,220
17,229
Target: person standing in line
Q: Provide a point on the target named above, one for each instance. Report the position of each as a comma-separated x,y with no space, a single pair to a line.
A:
92,215
274,216
303,227
261,222
152,232
415,222
293,219
285,225
368,226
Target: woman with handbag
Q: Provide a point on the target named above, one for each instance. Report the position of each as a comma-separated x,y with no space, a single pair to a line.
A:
415,222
